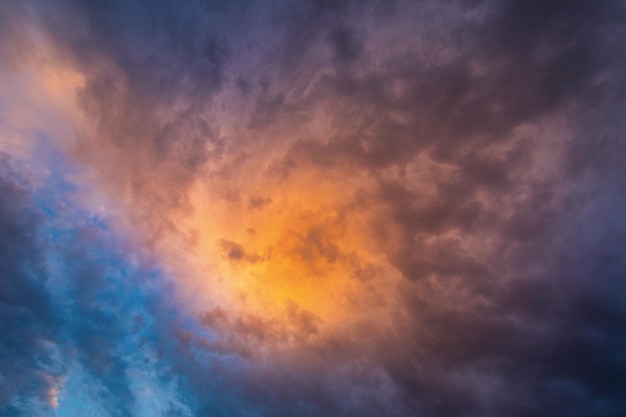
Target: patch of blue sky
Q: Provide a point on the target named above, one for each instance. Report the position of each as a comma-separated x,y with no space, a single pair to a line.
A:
108,300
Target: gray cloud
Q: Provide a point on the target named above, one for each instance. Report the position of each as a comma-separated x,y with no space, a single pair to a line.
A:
489,144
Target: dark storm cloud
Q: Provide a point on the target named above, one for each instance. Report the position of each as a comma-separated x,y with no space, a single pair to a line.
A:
345,43
544,340
522,62
545,343
533,327
543,334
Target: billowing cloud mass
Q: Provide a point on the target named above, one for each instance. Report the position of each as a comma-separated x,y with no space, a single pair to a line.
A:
312,208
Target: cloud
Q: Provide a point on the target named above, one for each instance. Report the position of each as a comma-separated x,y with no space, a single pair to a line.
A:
235,252
68,301
372,208
30,323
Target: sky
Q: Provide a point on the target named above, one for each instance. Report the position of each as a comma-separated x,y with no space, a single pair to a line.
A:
342,208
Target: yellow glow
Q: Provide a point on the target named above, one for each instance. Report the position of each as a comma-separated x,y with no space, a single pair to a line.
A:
279,243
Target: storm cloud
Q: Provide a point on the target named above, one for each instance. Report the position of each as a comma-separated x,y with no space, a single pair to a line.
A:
338,208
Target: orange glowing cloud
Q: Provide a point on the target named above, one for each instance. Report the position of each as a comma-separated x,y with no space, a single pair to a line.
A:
277,243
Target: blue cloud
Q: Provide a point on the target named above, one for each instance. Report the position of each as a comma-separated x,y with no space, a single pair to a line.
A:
77,323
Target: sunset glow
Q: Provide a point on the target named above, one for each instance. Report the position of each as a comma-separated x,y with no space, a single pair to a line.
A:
312,208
